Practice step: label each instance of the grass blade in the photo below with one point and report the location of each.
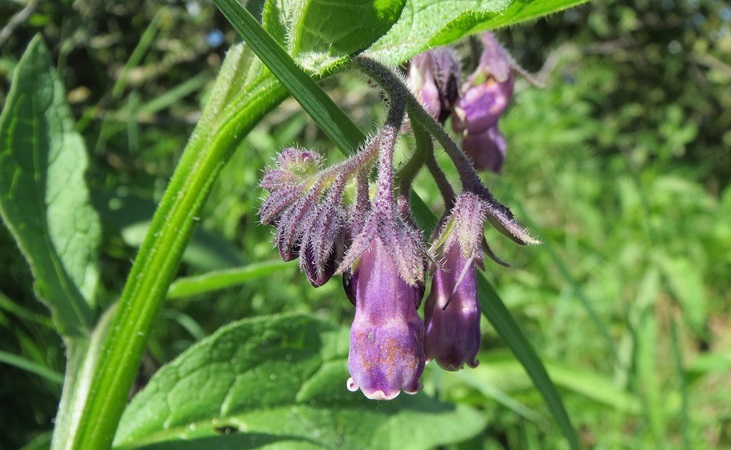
(220, 279)
(499, 316)
(30, 366)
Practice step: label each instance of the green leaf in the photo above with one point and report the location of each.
(323, 33)
(685, 280)
(503, 371)
(315, 102)
(426, 23)
(44, 200)
(30, 366)
(280, 378)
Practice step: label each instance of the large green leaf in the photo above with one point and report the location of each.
(275, 379)
(322, 33)
(43, 197)
(244, 92)
(427, 23)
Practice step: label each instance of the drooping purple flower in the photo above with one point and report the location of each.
(386, 354)
(487, 93)
(486, 150)
(481, 106)
(452, 313)
(386, 260)
(452, 310)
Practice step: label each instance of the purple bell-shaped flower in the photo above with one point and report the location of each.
(452, 313)
(386, 354)
(452, 310)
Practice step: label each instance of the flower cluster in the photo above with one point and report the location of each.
(340, 220)
(476, 104)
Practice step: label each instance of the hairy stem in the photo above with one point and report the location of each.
(499, 215)
(387, 140)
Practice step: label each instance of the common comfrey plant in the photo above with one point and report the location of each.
(338, 220)
(352, 219)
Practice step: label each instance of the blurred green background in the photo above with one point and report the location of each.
(621, 165)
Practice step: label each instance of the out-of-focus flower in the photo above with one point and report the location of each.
(434, 76)
(486, 150)
(481, 106)
(487, 93)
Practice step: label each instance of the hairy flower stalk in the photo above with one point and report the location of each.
(386, 339)
(333, 220)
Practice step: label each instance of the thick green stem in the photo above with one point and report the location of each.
(157, 261)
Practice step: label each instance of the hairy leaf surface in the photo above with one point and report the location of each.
(280, 379)
(426, 23)
(320, 34)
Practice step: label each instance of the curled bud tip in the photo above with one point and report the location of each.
(299, 162)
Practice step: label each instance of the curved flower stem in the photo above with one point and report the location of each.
(408, 172)
(499, 215)
(387, 142)
(445, 188)
(441, 181)
(396, 86)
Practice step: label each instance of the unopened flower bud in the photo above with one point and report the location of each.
(423, 83)
(435, 76)
(299, 161)
(323, 244)
(495, 61)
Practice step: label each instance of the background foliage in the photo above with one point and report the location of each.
(621, 165)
